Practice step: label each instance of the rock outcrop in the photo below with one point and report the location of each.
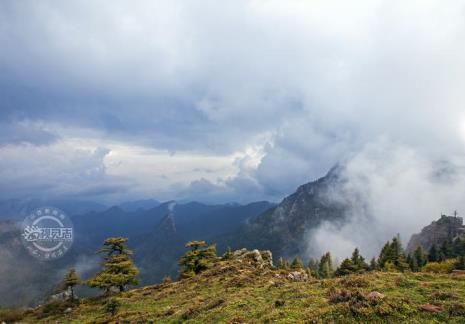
(444, 229)
(256, 258)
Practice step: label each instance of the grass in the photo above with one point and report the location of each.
(233, 292)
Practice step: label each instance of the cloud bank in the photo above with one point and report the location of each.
(238, 100)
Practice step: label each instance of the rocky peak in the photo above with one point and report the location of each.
(444, 229)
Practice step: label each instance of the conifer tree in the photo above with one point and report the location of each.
(447, 250)
(413, 263)
(313, 266)
(373, 265)
(282, 264)
(227, 254)
(347, 267)
(325, 269)
(433, 254)
(358, 260)
(297, 263)
(384, 255)
(420, 256)
(392, 256)
(118, 269)
(200, 257)
(458, 246)
(70, 280)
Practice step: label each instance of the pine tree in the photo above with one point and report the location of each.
(458, 246)
(313, 266)
(227, 254)
(397, 255)
(433, 254)
(282, 264)
(393, 254)
(70, 280)
(118, 269)
(325, 269)
(413, 263)
(384, 255)
(198, 259)
(347, 267)
(297, 263)
(358, 261)
(420, 256)
(373, 265)
(447, 250)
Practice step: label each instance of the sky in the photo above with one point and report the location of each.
(222, 101)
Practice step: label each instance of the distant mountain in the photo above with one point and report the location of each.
(158, 251)
(282, 229)
(132, 206)
(157, 236)
(447, 228)
(18, 209)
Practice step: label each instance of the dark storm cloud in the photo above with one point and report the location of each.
(309, 83)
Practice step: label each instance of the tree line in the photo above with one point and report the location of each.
(118, 270)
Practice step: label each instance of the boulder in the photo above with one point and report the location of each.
(259, 259)
(375, 295)
(298, 276)
(430, 308)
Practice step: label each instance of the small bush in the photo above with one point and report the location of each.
(354, 282)
(54, 307)
(279, 303)
(442, 295)
(336, 296)
(11, 315)
(440, 267)
(112, 306)
(456, 309)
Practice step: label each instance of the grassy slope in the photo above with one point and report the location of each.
(232, 292)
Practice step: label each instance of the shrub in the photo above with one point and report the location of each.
(355, 282)
(11, 315)
(54, 307)
(440, 267)
(112, 306)
(456, 309)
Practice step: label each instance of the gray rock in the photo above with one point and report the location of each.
(298, 276)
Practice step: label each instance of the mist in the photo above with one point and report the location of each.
(391, 189)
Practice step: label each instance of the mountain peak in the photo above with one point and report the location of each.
(444, 229)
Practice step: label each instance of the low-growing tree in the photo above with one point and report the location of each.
(199, 258)
(118, 269)
(69, 281)
(227, 254)
(167, 279)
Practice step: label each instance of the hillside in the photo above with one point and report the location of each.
(282, 229)
(247, 289)
(158, 247)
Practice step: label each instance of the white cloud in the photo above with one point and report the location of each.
(207, 79)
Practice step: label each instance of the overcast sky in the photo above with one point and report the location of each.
(220, 100)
